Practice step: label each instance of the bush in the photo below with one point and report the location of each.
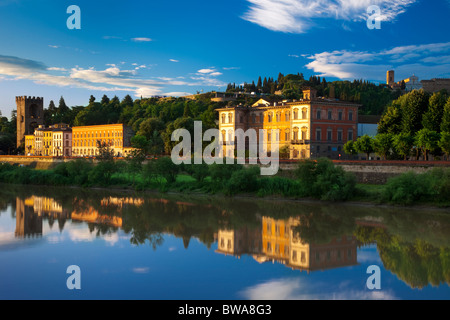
(244, 180)
(411, 187)
(223, 172)
(322, 179)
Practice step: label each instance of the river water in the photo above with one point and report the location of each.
(184, 247)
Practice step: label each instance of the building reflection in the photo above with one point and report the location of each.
(278, 241)
(32, 211)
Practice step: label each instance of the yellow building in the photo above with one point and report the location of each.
(47, 146)
(85, 140)
(29, 145)
(312, 127)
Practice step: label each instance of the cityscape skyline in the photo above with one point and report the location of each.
(180, 48)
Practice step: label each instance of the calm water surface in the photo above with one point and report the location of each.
(177, 247)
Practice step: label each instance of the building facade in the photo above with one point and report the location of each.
(85, 140)
(62, 141)
(29, 145)
(309, 128)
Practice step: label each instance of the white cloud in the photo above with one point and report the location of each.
(231, 68)
(301, 289)
(296, 16)
(425, 61)
(206, 71)
(53, 46)
(111, 79)
(141, 39)
(173, 60)
(140, 270)
(56, 69)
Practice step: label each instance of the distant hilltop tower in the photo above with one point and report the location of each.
(390, 78)
(30, 115)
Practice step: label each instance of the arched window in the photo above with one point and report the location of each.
(304, 113)
(304, 133)
(230, 118)
(295, 114)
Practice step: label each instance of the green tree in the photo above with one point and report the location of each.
(365, 144)
(383, 144)
(412, 111)
(349, 148)
(391, 120)
(403, 144)
(433, 117)
(444, 143)
(427, 141)
(445, 124)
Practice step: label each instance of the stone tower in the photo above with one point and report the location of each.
(390, 78)
(30, 114)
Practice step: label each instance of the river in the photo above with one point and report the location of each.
(185, 247)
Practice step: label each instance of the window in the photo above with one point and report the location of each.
(340, 115)
(230, 118)
(287, 116)
(294, 255)
(304, 131)
(339, 135)
(318, 115)
(278, 117)
(330, 115)
(295, 114)
(350, 135)
(223, 118)
(329, 135)
(261, 117)
(287, 135)
(269, 117)
(319, 135)
(350, 116)
(304, 113)
(253, 118)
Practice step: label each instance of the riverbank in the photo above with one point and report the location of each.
(313, 181)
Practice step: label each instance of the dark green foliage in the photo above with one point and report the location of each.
(411, 187)
(223, 172)
(322, 179)
(244, 180)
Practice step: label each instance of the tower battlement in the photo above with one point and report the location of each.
(29, 98)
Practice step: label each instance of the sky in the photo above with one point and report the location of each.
(176, 48)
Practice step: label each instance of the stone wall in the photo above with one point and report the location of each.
(376, 172)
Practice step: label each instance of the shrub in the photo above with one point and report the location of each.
(322, 179)
(244, 180)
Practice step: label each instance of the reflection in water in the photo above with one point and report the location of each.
(278, 241)
(415, 247)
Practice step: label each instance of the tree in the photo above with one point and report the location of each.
(427, 141)
(137, 156)
(415, 106)
(445, 124)
(149, 126)
(383, 144)
(349, 148)
(403, 144)
(444, 143)
(391, 120)
(105, 100)
(433, 117)
(105, 152)
(365, 144)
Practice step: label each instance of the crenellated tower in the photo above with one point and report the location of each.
(30, 114)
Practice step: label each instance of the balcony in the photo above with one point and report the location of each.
(301, 142)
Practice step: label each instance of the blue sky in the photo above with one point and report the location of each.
(146, 48)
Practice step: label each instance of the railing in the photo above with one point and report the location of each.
(300, 141)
